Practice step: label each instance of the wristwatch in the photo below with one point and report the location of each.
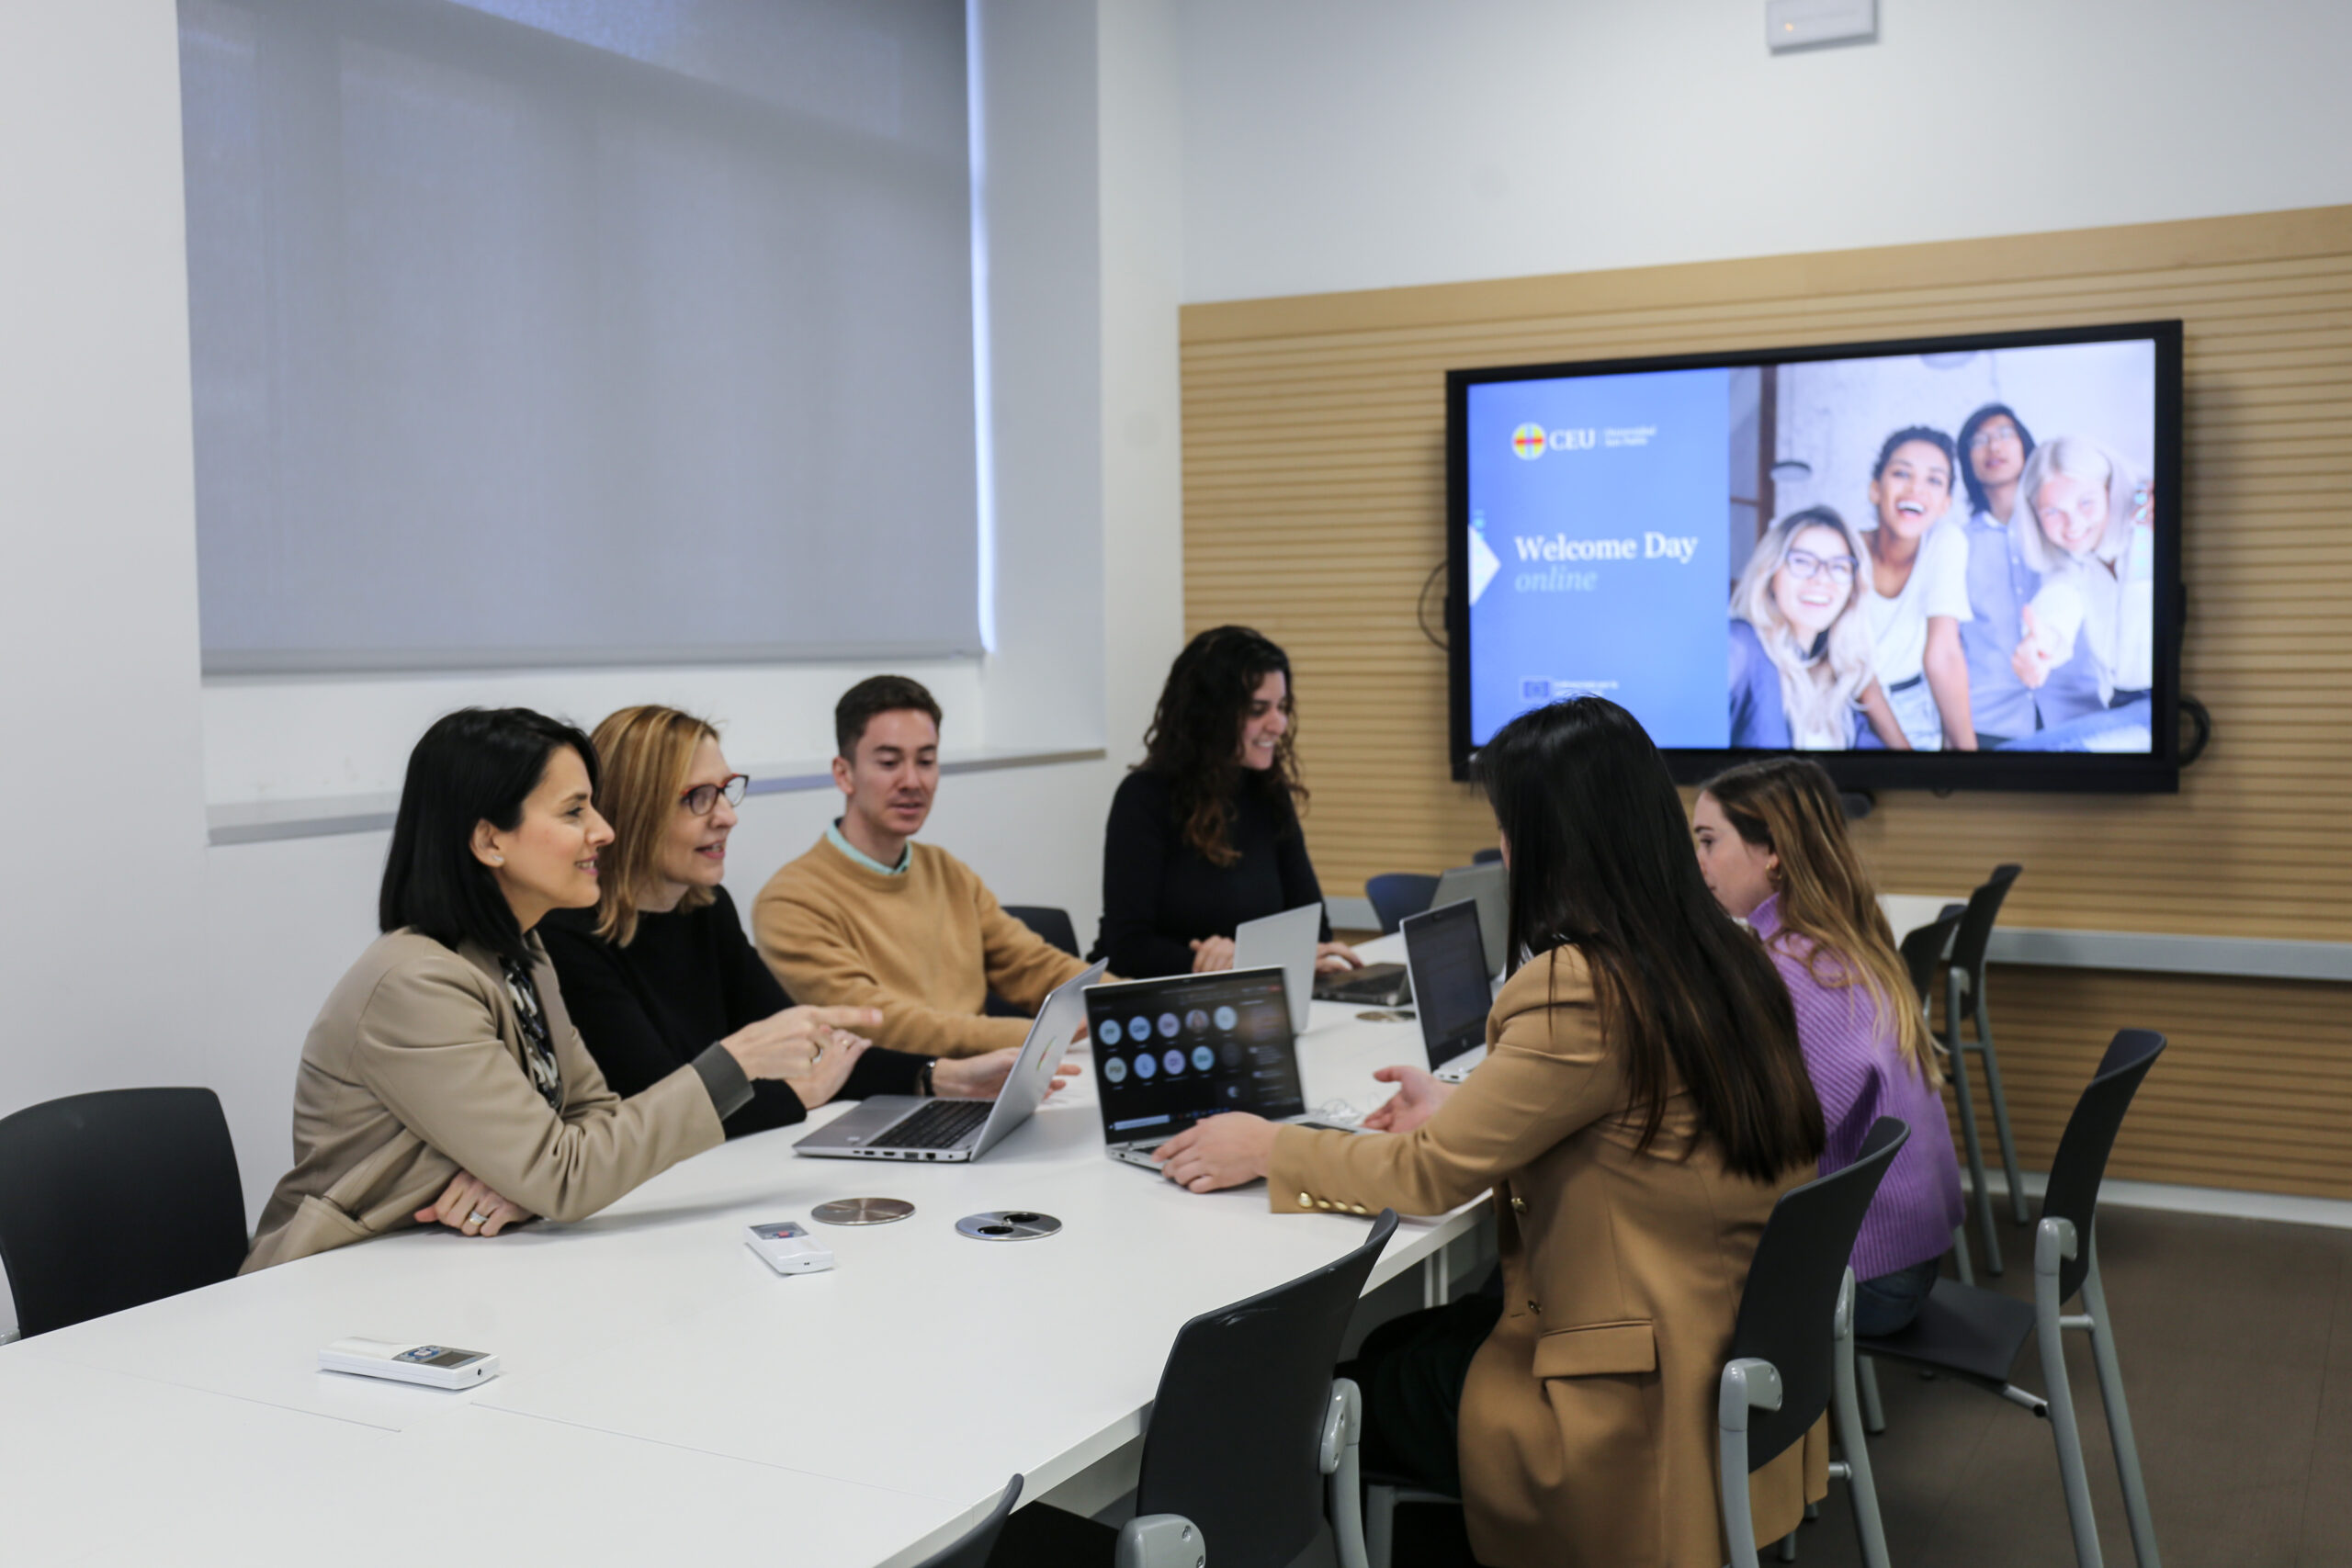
(923, 1078)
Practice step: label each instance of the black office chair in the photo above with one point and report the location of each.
(1486, 856)
(1792, 1345)
(112, 1199)
(1923, 955)
(1251, 1440)
(1964, 983)
(971, 1549)
(1049, 922)
(1977, 1334)
(1398, 896)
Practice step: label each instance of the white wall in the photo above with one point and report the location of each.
(1339, 144)
(134, 955)
(101, 934)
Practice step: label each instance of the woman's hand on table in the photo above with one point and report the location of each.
(1220, 1151)
(1211, 953)
(1419, 1094)
(979, 1077)
(468, 1207)
(1330, 956)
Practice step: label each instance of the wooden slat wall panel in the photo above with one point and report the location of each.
(1315, 509)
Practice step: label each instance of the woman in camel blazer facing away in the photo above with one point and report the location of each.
(443, 1081)
(1643, 1104)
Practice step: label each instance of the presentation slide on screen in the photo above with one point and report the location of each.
(1915, 552)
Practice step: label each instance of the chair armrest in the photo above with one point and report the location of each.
(1160, 1540)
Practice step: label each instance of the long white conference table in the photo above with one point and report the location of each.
(663, 1393)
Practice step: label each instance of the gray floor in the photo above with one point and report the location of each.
(2235, 1338)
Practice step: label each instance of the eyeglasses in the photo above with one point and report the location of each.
(1805, 565)
(702, 797)
(1992, 432)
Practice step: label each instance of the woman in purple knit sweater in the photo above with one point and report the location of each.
(1772, 846)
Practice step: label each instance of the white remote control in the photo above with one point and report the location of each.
(787, 1248)
(435, 1366)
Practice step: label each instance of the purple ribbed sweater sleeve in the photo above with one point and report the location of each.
(1858, 1070)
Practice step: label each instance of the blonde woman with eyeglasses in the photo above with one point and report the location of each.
(1802, 660)
(661, 967)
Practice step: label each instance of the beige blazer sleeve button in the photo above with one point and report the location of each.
(1322, 1202)
(1306, 1200)
(1358, 1209)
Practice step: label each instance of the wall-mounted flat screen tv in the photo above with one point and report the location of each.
(1945, 563)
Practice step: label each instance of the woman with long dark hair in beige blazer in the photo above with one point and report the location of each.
(443, 1081)
(1643, 1104)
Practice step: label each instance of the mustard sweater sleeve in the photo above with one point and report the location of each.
(826, 957)
(1545, 1077)
(1022, 967)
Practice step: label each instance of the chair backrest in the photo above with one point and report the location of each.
(1051, 923)
(1976, 924)
(1487, 856)
(115, 1198)
(971, 1549)
(1788, 1311)
(1238, 1419)
(1923, 955)
(2080, 1164)
(1396, 896)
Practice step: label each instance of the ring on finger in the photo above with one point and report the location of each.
(477, 1218)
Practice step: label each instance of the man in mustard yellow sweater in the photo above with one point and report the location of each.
(867, 918)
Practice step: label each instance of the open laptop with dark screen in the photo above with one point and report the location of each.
(1447, 954)
(1168, 1053)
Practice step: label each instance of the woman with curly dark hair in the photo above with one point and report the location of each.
(1205, 834)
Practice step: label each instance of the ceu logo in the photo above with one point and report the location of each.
(1528, 440)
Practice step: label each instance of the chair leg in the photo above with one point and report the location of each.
(1960, 1255)
(1746, 1385)
(1971, 1145)
(1847, 1423)
(2118, 1419)
(1379, 1523)
(1340, 1461)
(1874, 1413)
(2054, 1239)
(1789, 1547)
(2000, 1104)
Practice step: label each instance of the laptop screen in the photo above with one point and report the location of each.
(1168, 1053)
(1448, 958)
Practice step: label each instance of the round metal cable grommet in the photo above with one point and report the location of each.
(861, 1211)
(1007, 1225)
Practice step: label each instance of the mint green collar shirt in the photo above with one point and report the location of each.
(859, 857)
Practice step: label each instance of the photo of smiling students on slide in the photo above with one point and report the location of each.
(1889, 587)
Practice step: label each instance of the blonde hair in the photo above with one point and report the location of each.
(2077, 458)
(1815, 690)
(1787, 806)
(645, 753)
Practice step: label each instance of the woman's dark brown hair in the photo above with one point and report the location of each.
(1600, 861)
(1195, 742)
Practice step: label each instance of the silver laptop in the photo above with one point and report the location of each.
(1450, 990)
(906, 1126)
(1287, 940)
(1169, 1053)
(1284, 942)
(1489, 886)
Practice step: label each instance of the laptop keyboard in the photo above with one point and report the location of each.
(1377, 983)
(941, 1124)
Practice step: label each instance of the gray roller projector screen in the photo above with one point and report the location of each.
(580, 331)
